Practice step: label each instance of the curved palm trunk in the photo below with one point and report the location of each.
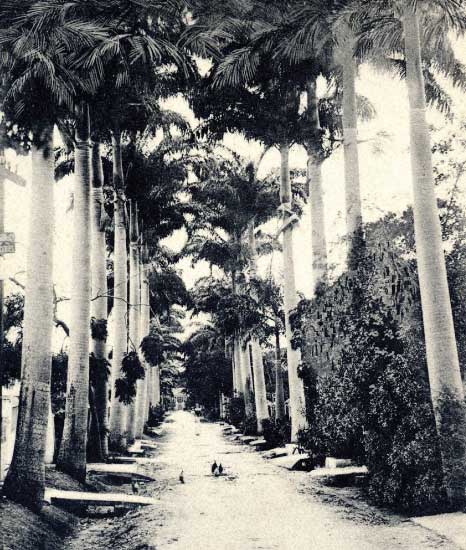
(442, 356)
(26, 477)
(316, 196)
(350, 140)
(260, 393)
(134, 300)
(99, 304)
(118, 411)
(279, 389)
(72, 454)
(290, 299)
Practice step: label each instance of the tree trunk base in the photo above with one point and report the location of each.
(24, 490)
(76, 472)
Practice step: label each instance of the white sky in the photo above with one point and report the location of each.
(385, 185)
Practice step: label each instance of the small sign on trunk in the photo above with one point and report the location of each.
(7, 243)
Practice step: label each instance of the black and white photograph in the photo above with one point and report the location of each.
(232, 274)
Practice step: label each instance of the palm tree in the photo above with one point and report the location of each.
(314, 176)
(290, 297)
(72, 455)
(144, 329)
(26, 476)
(262, 409)
(244, 360)
(442, 355)
(279, 389)
(99, 304)
(345, 57)
(39, 87)
(118, 411)
(134, 318)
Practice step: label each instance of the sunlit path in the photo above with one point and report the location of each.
(255, 505)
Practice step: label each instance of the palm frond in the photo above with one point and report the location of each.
(237, 68)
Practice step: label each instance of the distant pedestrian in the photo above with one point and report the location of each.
(214, 467)
(135, 487)
(181, 478)
(220, 469)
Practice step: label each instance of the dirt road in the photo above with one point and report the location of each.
(256, 505)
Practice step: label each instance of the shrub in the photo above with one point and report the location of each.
(235, 414)
(375, 408)
(156, 415)
(249, 425)
(276, 432)
(401, 443)
(452, 440)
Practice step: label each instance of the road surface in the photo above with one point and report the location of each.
(255, 505)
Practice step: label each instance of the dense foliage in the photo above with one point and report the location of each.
(131, 371)
(366, 376)
(207, 369)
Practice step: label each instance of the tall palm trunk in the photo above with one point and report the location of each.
(134, 300)
(234, 370)
(316, 198)
(236, 373)
(247, 378)
(442, 356)
(157, 391)
(239, 381)
(144, 331)
(26, 477)
(290, 300)
(243, 366)
(99, 304)
(141, 404)
(350, 138)
(243, 363)
(260, 393)
(150, 389)
(118, 411)
(279, 389)
(72, 454)
(239, 371)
